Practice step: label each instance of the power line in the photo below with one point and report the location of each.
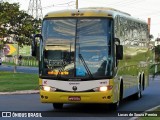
(137, 4)
(119, 3)
(131, 2)
(68, 4)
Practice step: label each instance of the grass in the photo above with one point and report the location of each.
(10, 81)
(8, 63)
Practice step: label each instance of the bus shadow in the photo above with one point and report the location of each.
(92, 110)
(85, 110)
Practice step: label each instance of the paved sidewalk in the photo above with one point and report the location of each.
(20, 92)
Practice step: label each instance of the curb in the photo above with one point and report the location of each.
(20, 92)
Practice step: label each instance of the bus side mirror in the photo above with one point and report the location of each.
(119, 52)
(34, 46)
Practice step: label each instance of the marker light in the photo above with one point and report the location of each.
(77, 14)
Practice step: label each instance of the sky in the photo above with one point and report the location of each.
(142, 9)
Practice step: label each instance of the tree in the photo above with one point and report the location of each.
(151, 36)
(19, 24)
(23, 27)
(5, 15)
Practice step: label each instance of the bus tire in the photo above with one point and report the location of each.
(121, 91)
(58, 105)
(143, 82)
(138, 95)
(114, 106)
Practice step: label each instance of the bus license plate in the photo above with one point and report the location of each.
(74, 98)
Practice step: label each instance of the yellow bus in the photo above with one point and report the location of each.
(91, 55)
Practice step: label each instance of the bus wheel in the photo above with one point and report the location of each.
(58, 105)
(138, 95)
(114, 106)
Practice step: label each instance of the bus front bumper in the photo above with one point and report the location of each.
(77, 97)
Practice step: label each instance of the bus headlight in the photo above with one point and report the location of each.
(48, 88)
(103, 88)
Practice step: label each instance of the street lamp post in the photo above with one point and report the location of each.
(76, 4)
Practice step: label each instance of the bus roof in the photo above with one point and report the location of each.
(78, 13)
(108, 9)
(91, 12)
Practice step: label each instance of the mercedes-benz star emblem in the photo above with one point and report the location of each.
(74, 88)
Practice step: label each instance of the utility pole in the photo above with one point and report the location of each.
(76, 4)
(149, 25)
(35, 9)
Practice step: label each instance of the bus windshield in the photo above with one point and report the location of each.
(77, 48)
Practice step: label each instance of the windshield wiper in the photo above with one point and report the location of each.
(85, 65)
(60, 70)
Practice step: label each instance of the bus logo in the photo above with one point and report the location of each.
(74, 88)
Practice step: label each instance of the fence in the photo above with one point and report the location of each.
(25, 61)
